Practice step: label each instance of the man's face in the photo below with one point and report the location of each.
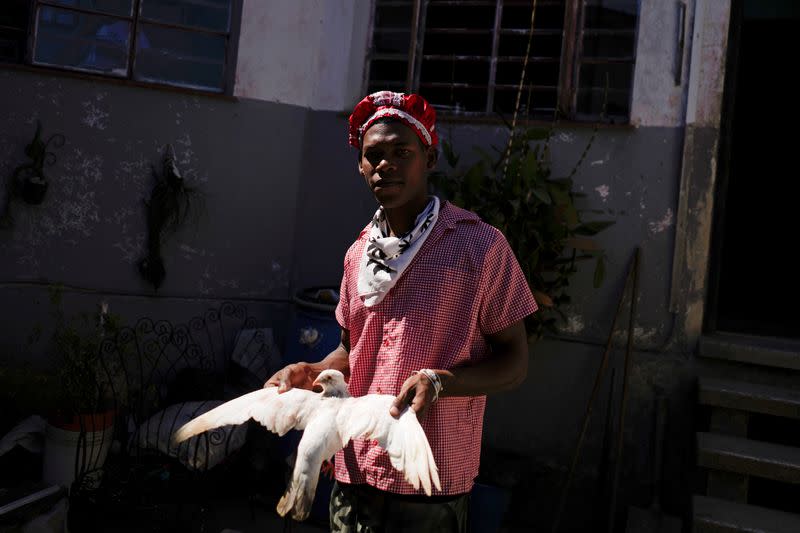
(395, 165)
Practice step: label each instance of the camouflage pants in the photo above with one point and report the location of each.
(364, 509)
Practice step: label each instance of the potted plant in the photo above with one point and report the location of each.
(80, 427)
(28, 181)
(513, 190)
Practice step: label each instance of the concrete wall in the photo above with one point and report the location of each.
(244, 156)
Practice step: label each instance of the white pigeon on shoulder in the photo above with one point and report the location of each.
(329, 420)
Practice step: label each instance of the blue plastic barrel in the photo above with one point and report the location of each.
(313, 332)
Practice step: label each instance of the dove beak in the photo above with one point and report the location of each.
(317, 385)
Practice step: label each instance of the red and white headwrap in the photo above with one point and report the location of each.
(411, 109)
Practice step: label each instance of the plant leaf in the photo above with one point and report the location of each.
(560, 196)
(530, 167)
(582, 243)
(542, 299)
(594, 227)
(537, 134)
(542, 195)
(599, 271)
(473, 178)
(571, 215)
(450, 155)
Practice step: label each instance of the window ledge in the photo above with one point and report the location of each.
(56, 72)
(453, 118)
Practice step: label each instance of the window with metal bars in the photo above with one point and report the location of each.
(183, 43)
(466, 57)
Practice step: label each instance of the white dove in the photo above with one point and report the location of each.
(330, 419)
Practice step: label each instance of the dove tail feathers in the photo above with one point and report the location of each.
(298, 497)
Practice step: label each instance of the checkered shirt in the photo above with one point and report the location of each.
(463, 284)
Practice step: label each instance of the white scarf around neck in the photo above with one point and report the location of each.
(386, 258)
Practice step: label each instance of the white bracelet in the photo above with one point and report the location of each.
(435, 380)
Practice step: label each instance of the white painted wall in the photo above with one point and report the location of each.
(707, 70)
(656, 99)
(308, 53)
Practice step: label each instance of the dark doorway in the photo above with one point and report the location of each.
(755, 278)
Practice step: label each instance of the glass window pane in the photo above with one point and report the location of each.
(86, 42)
(618, 75)
(536, 73)
(541, 45)
(393, 16)
(391, 42)
(479, 17)
(178, 57)
(454, 99)
(608, 45)
(388, 70)
(535, 103)
(455, 71)
(590, 102)
(14, 30)
(548, 17)
(12, 45)
(14, 14)
(617, 14)
(388, 86)
(112, 7)
(214, 15)
(468, 44)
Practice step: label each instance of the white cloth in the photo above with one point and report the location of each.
(385, 258)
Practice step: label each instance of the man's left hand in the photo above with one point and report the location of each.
(417, 391)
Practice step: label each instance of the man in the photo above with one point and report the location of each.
(431, 308)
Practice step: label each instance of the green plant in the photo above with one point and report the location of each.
(29, 182)
(83, 374)
(514, 191)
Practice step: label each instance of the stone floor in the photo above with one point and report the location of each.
(217, 517)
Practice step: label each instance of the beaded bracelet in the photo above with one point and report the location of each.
(435, 380)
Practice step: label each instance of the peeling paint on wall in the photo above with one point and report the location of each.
(574, 324)
(658, 226)
(94, 117)
(566, 137)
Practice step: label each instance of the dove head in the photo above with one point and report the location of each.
(332, 383)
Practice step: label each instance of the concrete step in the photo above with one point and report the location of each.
(749, 397)
(749, 457)
(719, 516)
(751, 350)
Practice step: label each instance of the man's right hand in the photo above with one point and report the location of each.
(294, 376)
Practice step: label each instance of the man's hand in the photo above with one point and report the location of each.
(418, 391)
(294, 376)
(302, 375)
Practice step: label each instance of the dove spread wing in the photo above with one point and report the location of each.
(277, 412)
(403, 438)
(329, 424)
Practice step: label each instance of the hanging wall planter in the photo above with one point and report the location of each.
(170, 205)
(28, 181)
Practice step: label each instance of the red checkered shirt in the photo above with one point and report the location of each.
(463, 284)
